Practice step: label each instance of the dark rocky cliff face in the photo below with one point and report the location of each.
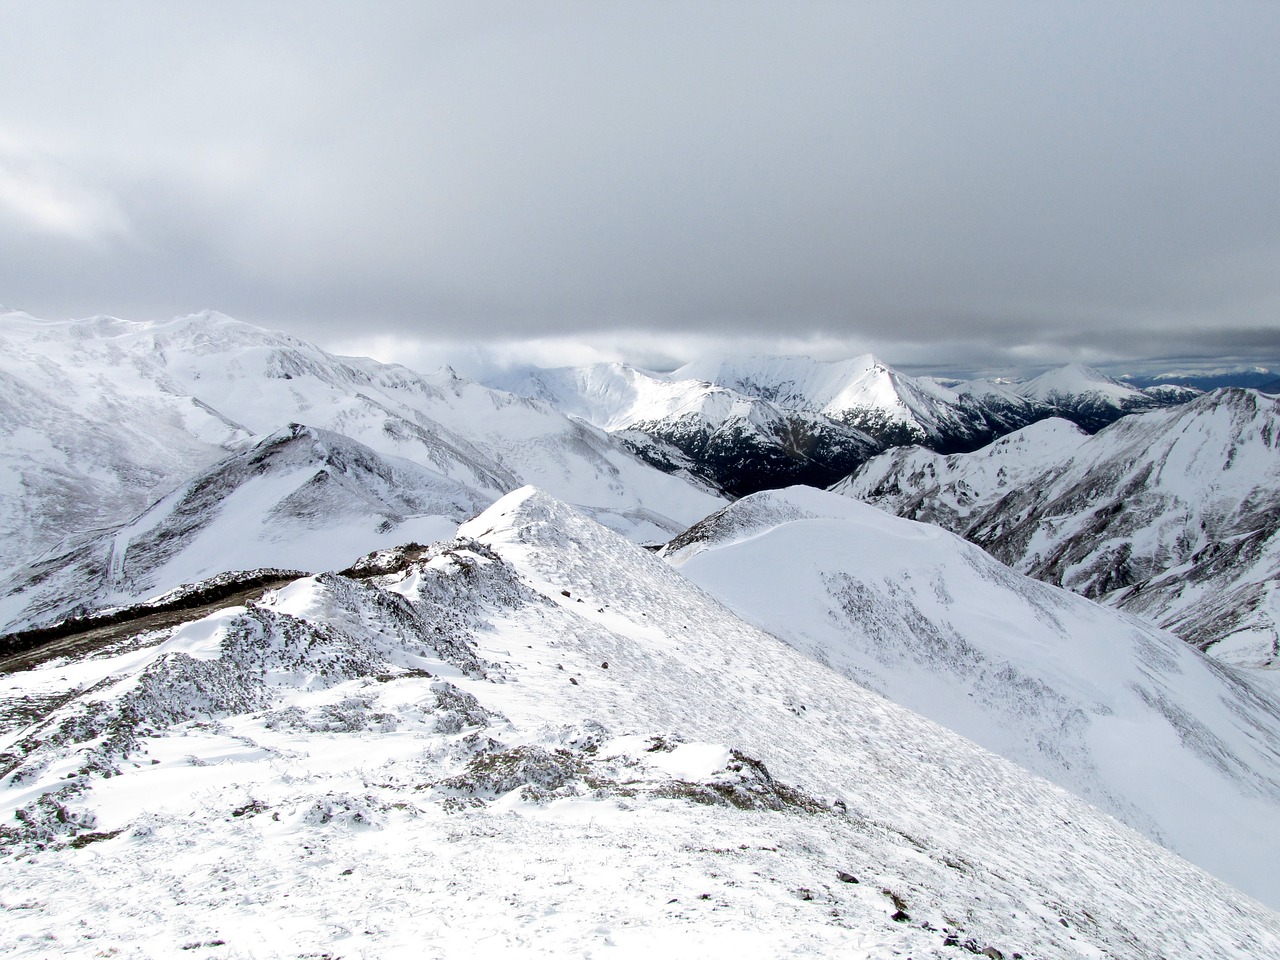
(742, 458)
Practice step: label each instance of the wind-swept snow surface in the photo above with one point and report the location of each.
(542, 740)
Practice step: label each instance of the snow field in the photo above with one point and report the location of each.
(1124, 715)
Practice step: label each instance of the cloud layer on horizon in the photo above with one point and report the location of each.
(956, 184)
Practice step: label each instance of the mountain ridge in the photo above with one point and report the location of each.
(1076, 692)
(537, 724)
(459, 712)
(863, 394)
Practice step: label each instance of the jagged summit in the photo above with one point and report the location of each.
(835, 388)
(761, 422)
(737, 442)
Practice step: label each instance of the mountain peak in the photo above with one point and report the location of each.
(1074, 377)
(1089, 397)
(510, 513)
(534, 519)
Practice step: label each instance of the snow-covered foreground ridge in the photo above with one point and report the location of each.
(542, 739)
(1127, 716)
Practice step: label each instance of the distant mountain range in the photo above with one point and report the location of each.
(1254, 378)
(735, 441)
(759, 423)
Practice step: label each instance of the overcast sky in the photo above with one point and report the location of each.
(952, 185)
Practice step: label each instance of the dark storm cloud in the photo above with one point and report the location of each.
(935, 181)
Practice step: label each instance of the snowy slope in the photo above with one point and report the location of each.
(103, 417)
(544, 741)
(919, 484)
(300, 499)
(1124, 715)
(613, 396)
(1173, 514)
(83, 441)
(736, 442)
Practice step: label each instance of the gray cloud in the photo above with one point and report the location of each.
(940, 182)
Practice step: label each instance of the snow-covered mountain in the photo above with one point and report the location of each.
(738, 443)
(867, 393)
(561, 746)
(101, 418)
(300, 499)
(1124, 715)
(947, 417)
(86, 439)
(1173, 514)
(920, 484)
(757, 423)
(1091, 399)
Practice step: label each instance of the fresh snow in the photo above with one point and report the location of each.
(1094, 400)
(300, 499)
(439, 761)
(859, 388)
(1074, 380)
(539, 737)
(896, 408)
(920, 484)
(737, 442)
